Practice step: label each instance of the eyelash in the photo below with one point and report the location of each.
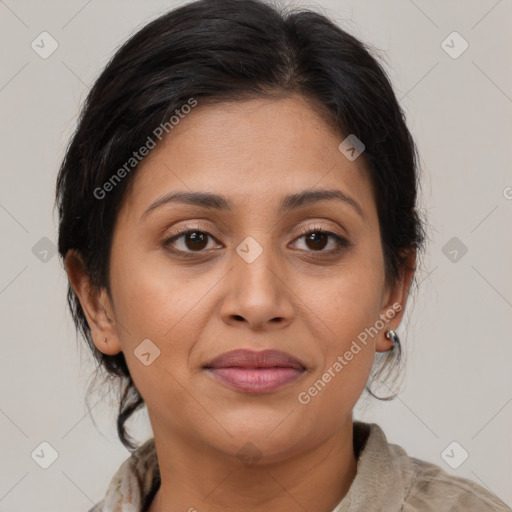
(342, 243)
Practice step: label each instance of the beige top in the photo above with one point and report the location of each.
(387, 480)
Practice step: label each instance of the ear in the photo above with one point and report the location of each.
(395, 299)
(95, 303)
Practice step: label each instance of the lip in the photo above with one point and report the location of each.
(255, 372)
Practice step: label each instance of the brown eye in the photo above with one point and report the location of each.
(317, 239)
(196, 240)
(188, 241)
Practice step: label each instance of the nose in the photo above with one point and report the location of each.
(257, 293)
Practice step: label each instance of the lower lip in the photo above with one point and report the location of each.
(256, 380)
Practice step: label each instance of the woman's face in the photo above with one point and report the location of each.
(249, 277)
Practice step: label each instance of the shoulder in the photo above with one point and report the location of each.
(428, 487)
(389, 480)
(132, 484)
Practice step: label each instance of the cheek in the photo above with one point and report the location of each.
(349, 299)
(334, 387)
(349, 305)
(153, 296)
(154, 302)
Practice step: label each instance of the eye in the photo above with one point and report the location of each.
(317, 238)
(190, 240)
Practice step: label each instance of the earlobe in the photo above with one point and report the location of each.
(94, 302)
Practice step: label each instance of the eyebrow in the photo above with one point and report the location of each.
(288, 203)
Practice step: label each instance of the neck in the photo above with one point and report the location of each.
(194, 479)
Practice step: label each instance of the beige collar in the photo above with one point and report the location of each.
(132, 482)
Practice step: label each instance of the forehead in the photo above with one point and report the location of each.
(254, 151)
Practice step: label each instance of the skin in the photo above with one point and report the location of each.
(294, 297)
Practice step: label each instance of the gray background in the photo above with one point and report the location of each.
(457, 380)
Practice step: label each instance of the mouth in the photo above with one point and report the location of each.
(255, 372)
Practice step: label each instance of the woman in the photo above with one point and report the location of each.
(239, 227)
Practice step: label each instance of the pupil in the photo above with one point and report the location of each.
(198, 240)
(313, 237)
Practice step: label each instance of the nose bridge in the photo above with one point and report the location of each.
(256, 291)
(256, 263)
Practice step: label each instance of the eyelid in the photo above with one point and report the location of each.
(305, 230)
(195, 226)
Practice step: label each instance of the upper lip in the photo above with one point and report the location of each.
(243, 358)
